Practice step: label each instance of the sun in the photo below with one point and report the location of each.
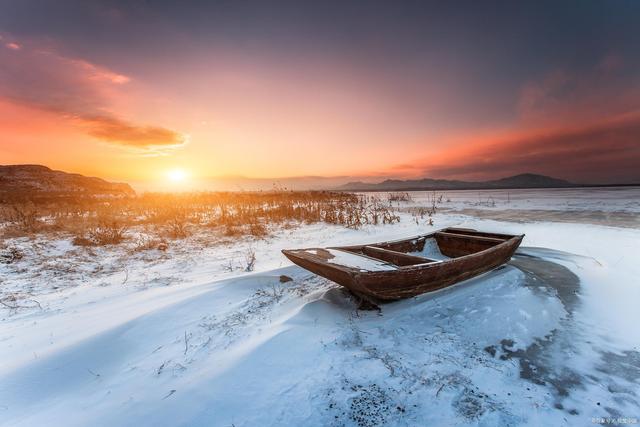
(177, 175)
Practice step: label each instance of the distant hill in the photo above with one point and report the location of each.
(530, 180)
(526, 180)
(37, 180)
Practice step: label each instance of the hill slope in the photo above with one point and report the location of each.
(40, 180)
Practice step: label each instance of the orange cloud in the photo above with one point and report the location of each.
(75, 88)
(118, 131)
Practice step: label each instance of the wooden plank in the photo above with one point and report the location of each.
(456, 245)
(414, 244)
(470, 237)
(470, 232)
(397, 258)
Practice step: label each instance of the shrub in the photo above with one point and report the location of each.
(10, 255)
(250, 260)
(82, 241)
(20, 219)
(232, 231)
(178, 227)
(146, 243)
(258, 230)
(107, 233)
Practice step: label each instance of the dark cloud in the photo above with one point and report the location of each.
(606, 88)
(459, 63)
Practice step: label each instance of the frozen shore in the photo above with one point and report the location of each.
(187, 337)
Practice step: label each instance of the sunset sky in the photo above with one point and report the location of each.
(141, 90)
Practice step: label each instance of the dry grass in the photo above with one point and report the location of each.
(94, 221)
(399, 197)
(419, 213)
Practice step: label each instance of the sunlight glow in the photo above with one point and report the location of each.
(177, 175)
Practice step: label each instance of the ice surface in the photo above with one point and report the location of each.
(180, 338)
(607, 199)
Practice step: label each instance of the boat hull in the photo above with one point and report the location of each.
(471, 257)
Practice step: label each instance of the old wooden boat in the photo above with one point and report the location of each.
(399, 269)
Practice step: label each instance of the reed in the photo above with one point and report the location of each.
(176, 215)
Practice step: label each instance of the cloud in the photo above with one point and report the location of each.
(582, 94)
(38, 77)
(581, 125)
(117, 131)
(100, 74)
(406, 167)
(604, 152)
(541, 96)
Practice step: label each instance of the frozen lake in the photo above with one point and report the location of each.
(608, 199)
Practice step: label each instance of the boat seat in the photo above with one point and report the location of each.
(398, 258)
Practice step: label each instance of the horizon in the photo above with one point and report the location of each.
(319, 183)
(178, 95)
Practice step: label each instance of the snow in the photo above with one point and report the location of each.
(430, 250)
(359, 262)
(187, 337)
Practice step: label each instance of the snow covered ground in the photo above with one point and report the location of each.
(114, 337)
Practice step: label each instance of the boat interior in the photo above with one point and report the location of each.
(431, 248)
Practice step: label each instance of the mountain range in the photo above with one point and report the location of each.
(526, 180)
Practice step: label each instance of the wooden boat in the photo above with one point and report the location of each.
(399, 269)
